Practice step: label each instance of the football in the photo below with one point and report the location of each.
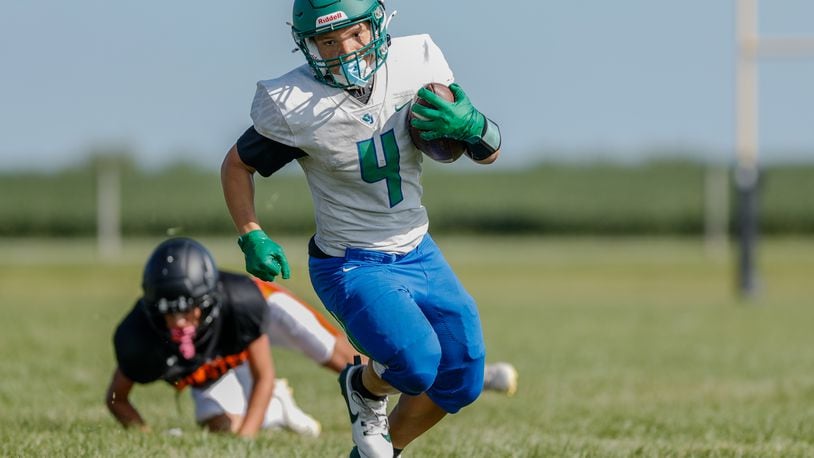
(443, 149)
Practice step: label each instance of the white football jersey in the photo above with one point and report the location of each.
(362, 168)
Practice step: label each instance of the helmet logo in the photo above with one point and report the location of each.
(331, 18)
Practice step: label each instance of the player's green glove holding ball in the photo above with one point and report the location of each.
(458, 120)
(265, 258)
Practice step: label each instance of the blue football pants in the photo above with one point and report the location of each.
(411, 314)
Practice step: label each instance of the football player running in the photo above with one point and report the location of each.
(372, 263)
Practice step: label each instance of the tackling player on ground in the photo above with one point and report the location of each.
(198, 327)
(371, 261)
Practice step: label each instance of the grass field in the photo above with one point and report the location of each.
(625, 347)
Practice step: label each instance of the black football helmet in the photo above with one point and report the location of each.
(181, 274)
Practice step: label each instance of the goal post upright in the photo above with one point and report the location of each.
(751, 47)
(746, 143)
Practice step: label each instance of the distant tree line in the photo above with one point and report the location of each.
(661, 197)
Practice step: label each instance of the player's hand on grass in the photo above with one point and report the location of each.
(265, 259)
(458, 120)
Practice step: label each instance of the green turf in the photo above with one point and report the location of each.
(625, 347)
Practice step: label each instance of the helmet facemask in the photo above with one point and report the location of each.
(185, 337)
(355, 69)
(208, 304)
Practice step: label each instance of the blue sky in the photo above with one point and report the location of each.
(571, 80)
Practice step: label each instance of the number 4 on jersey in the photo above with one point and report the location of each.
(372, 172)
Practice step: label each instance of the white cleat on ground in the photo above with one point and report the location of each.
(368, 418)
(294, 419)
(501, 377)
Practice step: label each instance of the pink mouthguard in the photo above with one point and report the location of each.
(183, 337)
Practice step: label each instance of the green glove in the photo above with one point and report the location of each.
(264, 257)
(458, 120)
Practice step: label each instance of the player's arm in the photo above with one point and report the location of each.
(118, 403)
(237, 180)
(262, 369)
(265, 259)
(458, 120)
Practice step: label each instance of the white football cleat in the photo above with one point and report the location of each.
(501, 377)
(294, 419)
(368, 417)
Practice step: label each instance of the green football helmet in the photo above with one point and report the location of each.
(313, 17)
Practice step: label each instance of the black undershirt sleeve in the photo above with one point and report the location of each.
(264, 154)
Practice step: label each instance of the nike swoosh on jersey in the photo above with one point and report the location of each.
(348, 269)
(401, 107)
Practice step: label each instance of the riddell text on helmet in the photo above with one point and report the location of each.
(333, 17)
